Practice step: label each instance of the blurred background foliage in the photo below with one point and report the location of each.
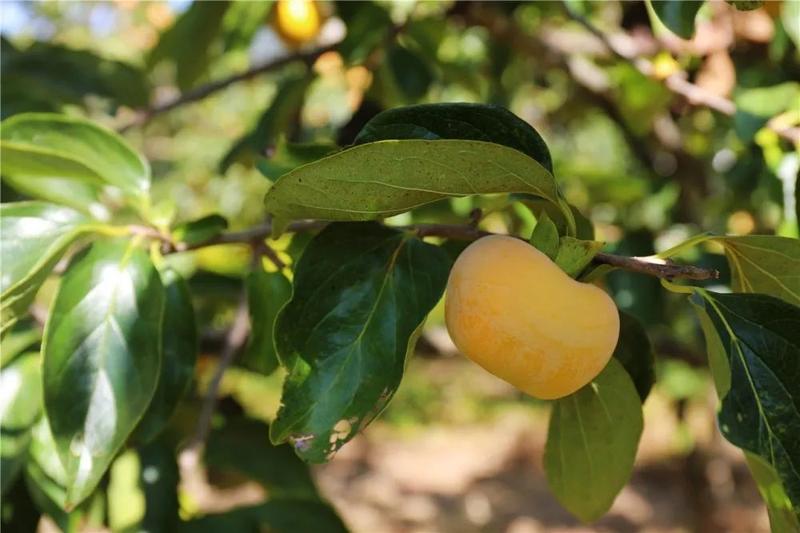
(222, 99)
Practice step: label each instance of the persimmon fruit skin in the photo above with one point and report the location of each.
(513, 311)
(297, 21)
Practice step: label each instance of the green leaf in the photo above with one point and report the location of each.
(276, 120)
(45, 145)
(241, 22)
(361, 291)
(33, 238)
(16, 341)
(760, 413)
(386, 178)
(82, 196)
(179, 349)
(367, 26)
(754, 107)
(200, 230)
(473, 122)
(20, 407)
(583, 226)
(243, 445)
(187, 43)
(45, 76)
(102, 353)
(764, 264)
(267, 292)
(411, 73)
(288, 156)
(635, 353)
(592, 442)
(575, 254)
(677, 15)
(545, 236)
(783, 518)
(278, 516)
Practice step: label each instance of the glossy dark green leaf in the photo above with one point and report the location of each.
(49, 145)
(20, 407)
(45, 76)
(267, 292)
(783, 517)
(575, 254)
(385, 178)
(760, 413)
(33, 238)
(411, 73)
(476, 122)
(545, 236)
(288, 156)
(275, 121)
(200, 230)
(677, 15)
(635, 353)
(278, 516)
(361, 291)
(102, 353)
(187, 43)
(754, 107)
(764, 264)
(179, 353)
(592, 441)
(242, 445)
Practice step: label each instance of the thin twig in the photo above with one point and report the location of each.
(462, 232)
(206, 90)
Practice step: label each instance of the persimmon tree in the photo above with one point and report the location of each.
(94, 381)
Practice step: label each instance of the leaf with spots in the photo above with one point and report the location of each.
(361, 294)
(760, 411)
(592, 441)
(380, 179)
(102, 352)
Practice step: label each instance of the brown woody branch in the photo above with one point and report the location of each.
(257, 235)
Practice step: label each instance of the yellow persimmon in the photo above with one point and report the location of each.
(297, 21)
(510, 309)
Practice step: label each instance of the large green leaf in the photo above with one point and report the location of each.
(385, 178)
(49, 145)
(81, 195)
(179, 352)
(278, 516)
(760, 412)
(678, 15)
(288, 156)
(635, 353)
(764, 264)
(187, 43)
(242, 445)
(33, 237)
(267, 292)
(361, 291)
(20, 407)
(102, 353)
(475, 122)
(592, 442)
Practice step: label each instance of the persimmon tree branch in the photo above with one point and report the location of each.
(257, 235)
(201, 92)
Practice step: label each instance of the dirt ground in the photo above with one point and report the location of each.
(464, 475)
